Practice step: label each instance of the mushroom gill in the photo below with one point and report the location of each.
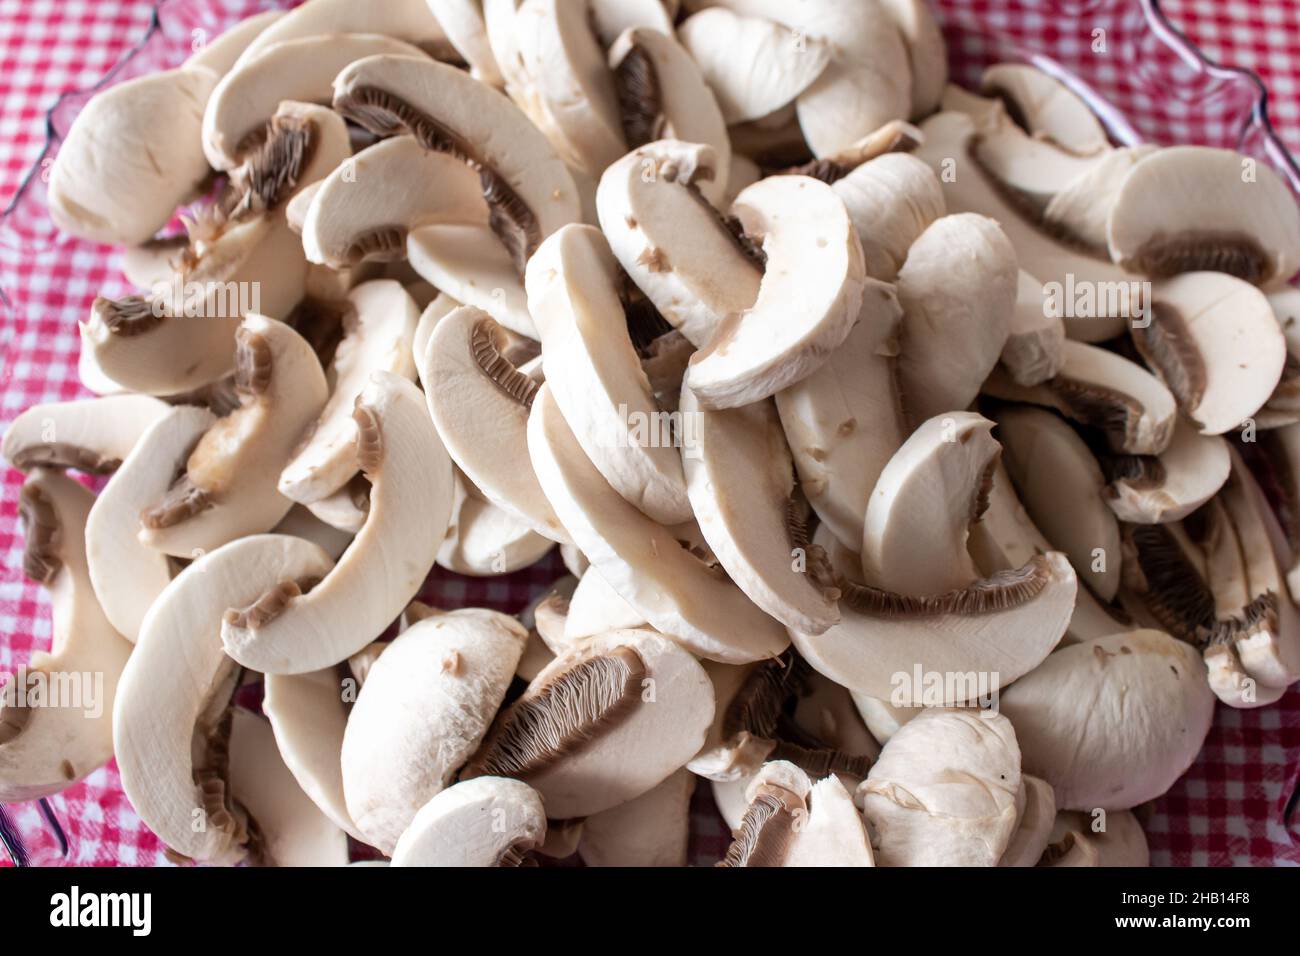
(64, 455)
(129, 316)
(485, 346)
(1111, 411)
(640, 99)
(1237, 254)
(767, 828)
(1167, 345)
(998, 592)
(1170, 585)
(41, 561)
(370, 440)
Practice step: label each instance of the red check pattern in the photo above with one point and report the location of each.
(1229, 809)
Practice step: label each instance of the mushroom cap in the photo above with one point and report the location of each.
(410, 504)
(1215, 342)
(481, 414)
(1172, 485)
(943, 791)
(301, 69)
(808, 298)
(94, 436)
(1050, 466)
(219, 53)
(844, 421)
(487, 821)
(453, 670)
(1112, 839)
(44, 749)
(595, 375)
(1112, 722)
(469, 263)
(411, 21)
(376, 337)
(1033, 350)
(127, 574)
(484, 540)
(926, 52)
(834, 834)
(892, 200)
(749, 531)
(1186, 208)
(641, 559)
(1048, 109)
(650, 830)
(958, 286)
(590, 753)
(181, 672)
(595, 607)
(1031, 170)
(1034, 828)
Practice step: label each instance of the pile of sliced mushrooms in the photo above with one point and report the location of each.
(745, 308)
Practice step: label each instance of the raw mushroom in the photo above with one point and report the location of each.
(1030, 171)
(1034, 350)
(1110, 839)
(595, 607)
(168, 732)
(301, 523)
(1046, 107)
(488, 821)
(1169, 486)
(641, 559)
(1081, 208)
(892, 200)
(484, 540)
(650, 830)
(93, 436)
(1112, 722)
(228, 487)
(46, 748)
(410, 506)
(221, 52)
(451, 671)
(881, 717)
(410, 21)
(606, 721)
(926, 53)
(347, 508)
(1034, 828)
(943, 791)
(462, 21)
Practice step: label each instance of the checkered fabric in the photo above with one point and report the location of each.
(1230, 806)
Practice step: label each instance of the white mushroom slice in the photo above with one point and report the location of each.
(439, 308)
(1110, 839)
(1095, 297)
(753, 66)
(891, 199)
(48, 746)
(173, 691)
(410, 506)
(751, 531)
(484, 540)
(1112, 722)
(609, 18)
(595, 375)
(535, 657)
(642, 560)
(291, 831)
(957, 287)
(547, 613)
(1157, 490)
(1046, 107)
(301, 523)
(662, 95)
(479, 403)
(471, 265)
(943, 791)
(1031, 170)
(1214, 341)
(219, 53)
(881, 717)
(410, 21)
(844, 421)
(933, 489)
(1189, 208)
(1033, 350)
(1082, 207)
(650, 830)
(451, 671)
(575, 562)
(106, 184)
(926, 53)
(606, 721)
(671, 242)
(308, 713)
(1034, 828)
(301, 69)
(807, 302)
(462, 21)
(1050, 464)
(596, 608)
(529, 190)
(228, 487)
(487, 821)
(93, 436)
(128, 575)
(376, 337)
(347, 508)
(1098, 388)
(826, 713)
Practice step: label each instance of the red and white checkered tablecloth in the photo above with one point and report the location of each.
(1228, 809)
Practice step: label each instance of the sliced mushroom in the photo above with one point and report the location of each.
(926, 53)
(1034, 827)
(480, 402)
(439, 308)
(52, 735)
(1191, 208)
(1046, 107)
(1112, 722)
(487, 821)
(462, 21)
(650, 830)
(958, 286)
(168, 732)
(595, 376)
(641, 559)
(1081, 208)
(845, 420)
(1050, 465)
(1214, 341)
(410, 504)
(1033, 352)
(943, 791)
(892, 200)
(1168, 487)
(127, 574)
(484, 540)
(411, 21)
(1109, 839)
(813, 269)
(299, 69)
(377, 337)
(881, 717)
(227, 489)
(347, 508)
(452, 670)
(595, 607)
(288, 828)
(93, 436)
(603, 723)
(301, 523)
(1031, 171)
